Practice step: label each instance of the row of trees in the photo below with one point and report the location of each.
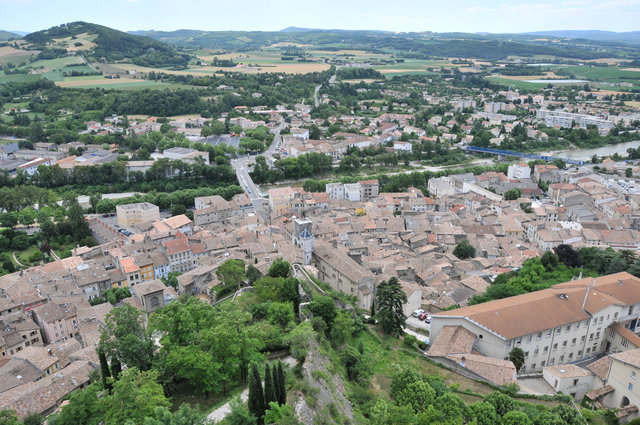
(273, 394)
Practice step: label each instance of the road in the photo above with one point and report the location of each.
(316, 101)
(241, 165)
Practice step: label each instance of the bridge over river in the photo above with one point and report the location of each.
(532, 156)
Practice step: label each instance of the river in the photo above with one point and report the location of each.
(586, 154)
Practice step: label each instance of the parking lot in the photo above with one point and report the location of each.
(223, 139)
(418, 324)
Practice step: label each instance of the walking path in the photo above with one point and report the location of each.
(13, 253)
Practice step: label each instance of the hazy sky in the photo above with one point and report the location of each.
(272, 15)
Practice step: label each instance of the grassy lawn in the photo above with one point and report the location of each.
(23, 256)
(184, 393)
(85, 82)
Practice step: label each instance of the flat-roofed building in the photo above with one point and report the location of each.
(131, 214)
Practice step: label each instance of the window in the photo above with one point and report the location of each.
(615, 316)
(529, 338)
(580, 353)
(612, 333)
(539, 335)
(633, 375)
(598, 335)
(543, 363)
(601, 319)
(548, 333)
(552, 361)
(555, 346)
(533, 366)
(561, 359)
(590, 337)
(575, 382)
(589, 350)
(535, 352)
(519, 340)
(630, 310)
(625, 343)
(526, 354)
(630, 386)
(578, 325)
(568, 328)
(564, 344)
(546, 348)
(573, 341)
(558, 330)
(570, 356)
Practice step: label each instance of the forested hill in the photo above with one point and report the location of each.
(415, 45)
(6, 35)
(113, 45)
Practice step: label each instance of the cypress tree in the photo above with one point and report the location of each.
(256, 395)
(269, 390)
(116, 368)
(104, 369)
(282, 381)
(276, 383)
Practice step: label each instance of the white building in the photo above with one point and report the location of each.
(520, 170)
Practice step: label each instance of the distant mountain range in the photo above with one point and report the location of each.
(8, 35)
(621, 37)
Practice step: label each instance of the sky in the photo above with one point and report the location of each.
(494, 16)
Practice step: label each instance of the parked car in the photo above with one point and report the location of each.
(428, 318)
(427, 341)
(417, 313)
(422, 316)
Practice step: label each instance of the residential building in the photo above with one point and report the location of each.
(130, 214)
(562, 324)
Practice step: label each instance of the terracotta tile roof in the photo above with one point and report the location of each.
(568, 371)
(600, 367)
(505, 316)
(631, 357)
(38, 356)
(452, 340)
(45, 394)
(595, 394)
(497, 371)
(178, 221)
(626, 334)
(128, 265)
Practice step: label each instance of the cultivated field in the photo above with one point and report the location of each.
(116, 83)
(9, 54)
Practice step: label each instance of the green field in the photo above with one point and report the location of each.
(604, 74)
(92, 82)
(19, 78)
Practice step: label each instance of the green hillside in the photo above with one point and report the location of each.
(6, 35)
(112, 45)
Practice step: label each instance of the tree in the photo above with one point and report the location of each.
(83, 408)
(185, 415)
(33, 419)
(75, 218)
(252, 274)
(269, 388)
(298, 340)
(231, 273)
(549, 260)
(279, 414)
(104, 369)
(390, 298)
(195, 366)
(501, 402)
(325, 308)
(484, 413)
(567, 255)
(8, 417)
(419, 395)
(278, 289)
(616, 265)
(281, 389)
(351, 359)
(569, 415)
(628, 172)
(512, 194)
(464, 250)
(239, 415)
(342, 328)
(135, 396)
(516, 418)
(401, 381)
(126, 339)
(105, 206)
(281, 314)
(560, 163)
(280, 268)
(516, 355)
(256, 395)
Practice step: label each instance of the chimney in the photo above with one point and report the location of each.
(620, 282)
(49, 352)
